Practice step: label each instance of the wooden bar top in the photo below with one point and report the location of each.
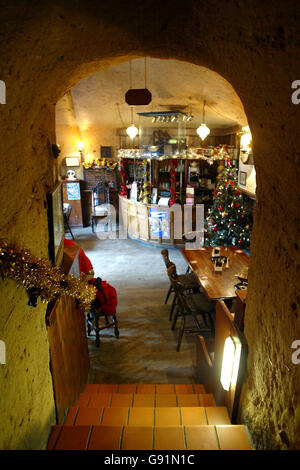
(217, 284)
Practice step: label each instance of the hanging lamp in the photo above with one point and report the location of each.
(138, 96)
(203, 130)
(132, 130)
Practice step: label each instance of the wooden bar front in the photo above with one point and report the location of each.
(139, 220)
(69, 360)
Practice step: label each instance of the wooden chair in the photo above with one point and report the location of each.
(67, 212)
(191, 304)
(101, 203)
(97, 310)
(188, 280)
(92, 320)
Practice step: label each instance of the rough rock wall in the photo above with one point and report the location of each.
(26, 399)
(255, 46)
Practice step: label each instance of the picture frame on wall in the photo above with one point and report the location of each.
(242, 178)
(55, 224)
(105, 152)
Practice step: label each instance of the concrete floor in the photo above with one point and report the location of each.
(146, 349)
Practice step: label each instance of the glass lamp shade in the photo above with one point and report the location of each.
(132, 131)
(203, 131)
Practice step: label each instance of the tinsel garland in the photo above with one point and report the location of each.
(173, 182)
(100, 162)
(146, 184)
(123, 165)
(40, 279)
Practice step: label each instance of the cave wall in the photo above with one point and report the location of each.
(27, 407)
(47, 48)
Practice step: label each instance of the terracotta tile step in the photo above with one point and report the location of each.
(96, 400)
(103, 437)
(145, 388)
(147, 416)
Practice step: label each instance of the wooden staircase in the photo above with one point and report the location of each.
(147, 417)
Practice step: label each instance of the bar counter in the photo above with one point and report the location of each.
(152, 223)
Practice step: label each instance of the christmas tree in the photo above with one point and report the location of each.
(229, 220)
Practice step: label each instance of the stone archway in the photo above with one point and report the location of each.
(52, 46)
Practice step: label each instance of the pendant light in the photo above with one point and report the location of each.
(132, 131)
(203, 130)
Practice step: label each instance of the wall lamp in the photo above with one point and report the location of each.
(230, 362)
(80, 148)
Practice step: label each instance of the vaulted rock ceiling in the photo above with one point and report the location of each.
(100, 98)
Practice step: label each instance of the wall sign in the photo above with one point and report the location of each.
(159, 223)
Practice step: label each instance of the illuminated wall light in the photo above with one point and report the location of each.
(246, 138)
(231, 362)
(80, 146)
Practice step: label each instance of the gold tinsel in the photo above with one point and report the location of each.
(146, 184)
(102, 162)
(40, 278)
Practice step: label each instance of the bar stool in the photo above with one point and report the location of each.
(188, 280)
(190, 304)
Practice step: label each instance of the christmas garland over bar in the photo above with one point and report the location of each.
(40, 279)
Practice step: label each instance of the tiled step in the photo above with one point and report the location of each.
(147, 416)
(151, 389)
(95, 400)
(102, 437)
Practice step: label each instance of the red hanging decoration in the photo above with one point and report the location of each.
(124, 191)
(173, 182)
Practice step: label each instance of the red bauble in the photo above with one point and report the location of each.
(238, 205)
(214, 229)
(238, 192)
(240, 242)
(230, 223)
(220, 208)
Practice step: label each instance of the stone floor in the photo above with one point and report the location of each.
(146, 349)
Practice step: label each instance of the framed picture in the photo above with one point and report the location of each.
(73, 191)
(72, 161)
(56, 224)
(105, 152)
(242, 178)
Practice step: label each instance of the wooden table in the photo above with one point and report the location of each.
(217, 284)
